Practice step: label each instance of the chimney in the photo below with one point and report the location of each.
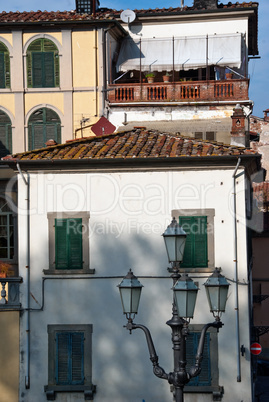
(87, 6)
(238, 133)
(265, 115)
(205, 4)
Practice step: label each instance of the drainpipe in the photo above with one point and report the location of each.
(27, 310)
(104, 87)
(236, 276)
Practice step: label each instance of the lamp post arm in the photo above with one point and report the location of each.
(157, 370)
(196, 369)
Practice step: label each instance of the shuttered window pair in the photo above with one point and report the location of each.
(44, 124)
(69, 358)
(68, 243)
(195, 253)
(204, 378)
(42, 64)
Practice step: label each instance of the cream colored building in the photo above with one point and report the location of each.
(51, 86)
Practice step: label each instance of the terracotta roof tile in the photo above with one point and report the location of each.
(133, 144)
(101, 14)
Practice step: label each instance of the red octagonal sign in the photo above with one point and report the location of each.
(255, 348)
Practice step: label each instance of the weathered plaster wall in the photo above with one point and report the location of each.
(128, 213)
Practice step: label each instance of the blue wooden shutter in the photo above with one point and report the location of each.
(204, 378)
(68, 243)
(195, 253)
(69, 358)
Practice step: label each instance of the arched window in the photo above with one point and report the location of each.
(42, 64)
(6, 231)
(44, 124)
(4, 66)
(5, 135)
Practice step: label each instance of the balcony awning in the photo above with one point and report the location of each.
(189, 53)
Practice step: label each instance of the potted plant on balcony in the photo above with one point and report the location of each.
(6, 269)
(229, 76)
(166, 77)
(150, 77)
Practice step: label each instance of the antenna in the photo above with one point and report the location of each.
(127, 16)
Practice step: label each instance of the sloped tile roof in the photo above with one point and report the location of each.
(102, 13)
(137, 143)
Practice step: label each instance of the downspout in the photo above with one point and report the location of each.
(27, 310)
(104, 87)
(236, 276)
(96, 72)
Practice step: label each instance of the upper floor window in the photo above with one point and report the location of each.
(5, 135)
(42, 64)
(4, 66)
(6, 231)
(199, 249)
(68, 243)
(44, 124)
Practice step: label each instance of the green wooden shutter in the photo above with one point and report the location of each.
(68, 244)
(69, 358)
(77, 358)
(36, 136)
(195, 253)
(5, 140)
(75, 243)
(62, 358)
(48, 65)
(2, 71)
(37, 69)
(200, 242)
(204, 378)
(186, 223)
(61, 244)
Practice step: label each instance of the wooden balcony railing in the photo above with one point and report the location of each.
(185, 91)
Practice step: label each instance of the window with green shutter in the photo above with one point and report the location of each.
(195, 253)
(4, 66)
(204, 378)
(5, 135)
(69, 358)
(44, 124)
(43, 64)
(208, 379)
(68, 243)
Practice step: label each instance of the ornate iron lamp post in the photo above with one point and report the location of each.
(184, 298)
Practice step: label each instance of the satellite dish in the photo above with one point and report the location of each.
(127, 16)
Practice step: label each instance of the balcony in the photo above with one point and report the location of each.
(10, 299)
(184, 91)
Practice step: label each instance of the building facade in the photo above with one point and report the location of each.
(98, 207)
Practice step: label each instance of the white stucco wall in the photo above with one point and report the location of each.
(187, 28)
(128, 213)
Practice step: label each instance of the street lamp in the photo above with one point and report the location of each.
(184, 298)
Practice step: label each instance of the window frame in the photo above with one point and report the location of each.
(52, 387)
(84, 216)
(210, 214)
(54, 63)
(47, 122)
